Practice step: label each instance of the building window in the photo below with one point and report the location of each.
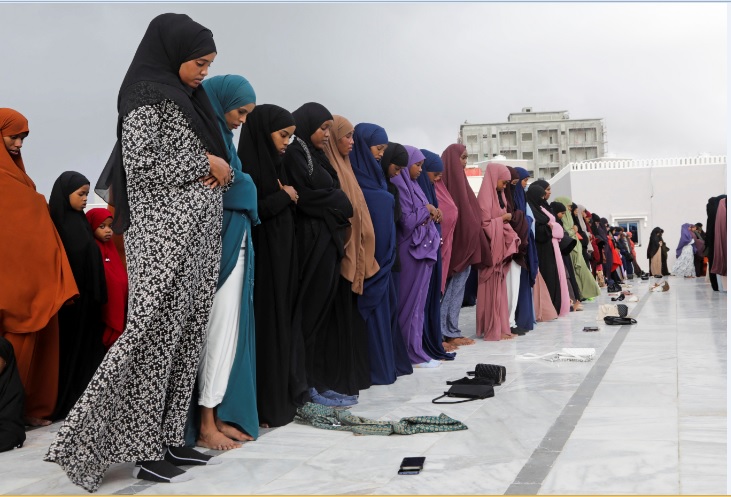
(526, 137)
(494, 136)
(563, 152)
(486, 155)
(527, 155)
(484, 137)
(471, 138)
(633, 225)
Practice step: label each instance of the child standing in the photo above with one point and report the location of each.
(114, 312)
(80, 330)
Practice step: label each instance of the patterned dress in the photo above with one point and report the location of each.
(685, 264)
(138, 399)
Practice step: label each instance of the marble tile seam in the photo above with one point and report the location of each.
(540, 463)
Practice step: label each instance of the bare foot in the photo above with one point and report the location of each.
(460, 341)
(263, 425)
(31, 421)
(507, 336)
(449, 347)
(216, 441)
(232, 433)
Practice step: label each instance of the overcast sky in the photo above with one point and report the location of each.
(656, 73)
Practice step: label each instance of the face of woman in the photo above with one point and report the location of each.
(394, 170)
(501, 184)
(434, 177)
(415, 170)
(14, 143)
(524, 183)
(548, 193)
(320, 137)
(78, 198)
(560, 215)
(237, 117)
(103, 232)
(345, 144)
(377, 151)
(463, 159)
(193, 72)
(282, 138)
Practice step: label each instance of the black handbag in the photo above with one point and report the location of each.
(619, 321)
(492, 372)
(567, 244)
(468, 389)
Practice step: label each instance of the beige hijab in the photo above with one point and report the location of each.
(359, 261)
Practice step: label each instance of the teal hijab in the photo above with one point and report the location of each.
(227, 93)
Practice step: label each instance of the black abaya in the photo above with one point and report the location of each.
(323, 210)
(544, 244)
(12, 396)
(81, 349)
(280, 375)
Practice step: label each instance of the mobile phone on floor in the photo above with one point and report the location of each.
(411, 465)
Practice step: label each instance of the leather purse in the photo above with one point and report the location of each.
(467, 389)
(492, 372)
(619, 321)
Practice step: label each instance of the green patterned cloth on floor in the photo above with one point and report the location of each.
(329, 418)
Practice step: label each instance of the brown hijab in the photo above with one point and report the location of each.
(466, 248)
(35, 273)
(359, 261)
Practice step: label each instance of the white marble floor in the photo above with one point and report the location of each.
(647, 416)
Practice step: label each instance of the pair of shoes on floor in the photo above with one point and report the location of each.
(332, 394)
(433, 363)
(344, 401)
(167, 470)
(517, 330)
(619, 298)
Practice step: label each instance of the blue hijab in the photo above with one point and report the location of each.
(227, 93)
(519, 193)
(432, 164)
(367, 170)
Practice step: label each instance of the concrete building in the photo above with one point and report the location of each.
(549, 140)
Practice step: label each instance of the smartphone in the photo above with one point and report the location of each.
(591, 328)
(411, 465)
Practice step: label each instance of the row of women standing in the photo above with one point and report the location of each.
(339, 264)
(324, 281)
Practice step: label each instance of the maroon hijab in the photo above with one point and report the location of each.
(466, 248)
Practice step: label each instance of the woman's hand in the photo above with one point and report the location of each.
(291, 192)
(434, 213)
(220, 172)
(293, 195)
(507, 217)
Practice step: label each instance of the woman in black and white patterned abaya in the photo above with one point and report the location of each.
(167, 180)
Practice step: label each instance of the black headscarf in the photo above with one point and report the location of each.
(170, 40)
(77, 237)
(12, 398)
(557, 207)
(395, 153)
(535, 199)
(259, 158)
(654, 243)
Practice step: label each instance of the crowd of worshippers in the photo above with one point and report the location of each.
(226, 286)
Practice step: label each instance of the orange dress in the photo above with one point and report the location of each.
(37, 279)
